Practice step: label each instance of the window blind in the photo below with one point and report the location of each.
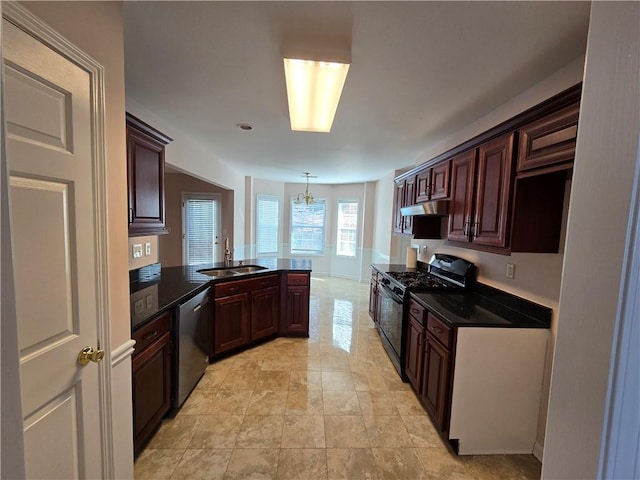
(267, 217)
(200, 224)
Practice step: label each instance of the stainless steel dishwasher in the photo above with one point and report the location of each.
(193, 327)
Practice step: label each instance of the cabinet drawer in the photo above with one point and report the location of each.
(438, 329)
(416, 311)
(151, 332)
(297, 279)
(263, 282)
(247, 285)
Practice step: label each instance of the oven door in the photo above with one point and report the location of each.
(391, 325)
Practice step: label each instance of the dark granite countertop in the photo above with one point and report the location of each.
(479, 306)
(154, 290)
(397, 267)
(485, 306)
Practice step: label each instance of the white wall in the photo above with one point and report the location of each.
(606, 159)
(384, 219)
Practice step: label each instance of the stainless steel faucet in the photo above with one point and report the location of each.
(227, 253)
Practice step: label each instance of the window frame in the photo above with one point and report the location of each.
(356, 229)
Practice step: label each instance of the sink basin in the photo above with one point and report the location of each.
(217, 272)
(247, 269)
(230, 271)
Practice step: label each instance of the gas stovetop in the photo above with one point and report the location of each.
(445, 272)
(421, 281)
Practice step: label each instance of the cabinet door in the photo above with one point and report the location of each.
(415, 353)
(151, 386)
(398, 200)
(494, 187)
(145, 175)
(297, 310)
(462, 190)
(423, 186)
(436, 381)
(409, 199)
(439, 181)
(550, 140)
(265, 309)
(231, 322)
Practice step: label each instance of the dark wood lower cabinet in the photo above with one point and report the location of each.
(151, 379)
(231, 322)
(415, 353)
(428, 362)
(265, 310)
(436, 381)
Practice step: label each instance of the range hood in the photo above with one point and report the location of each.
(436, 207)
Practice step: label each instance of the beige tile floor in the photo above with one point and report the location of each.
(327, 407)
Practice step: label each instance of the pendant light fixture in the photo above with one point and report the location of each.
(307, 196)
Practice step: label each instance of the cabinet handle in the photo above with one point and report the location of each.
(130, 215)
(420, 339)
(464, 229)
(436, 329)
(415, 310)
(474, 230)
(197, 307)
(150, 335)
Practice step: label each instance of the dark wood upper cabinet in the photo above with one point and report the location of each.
(433, 183)
(409, 199)
(550, 140)
(463, 167)
(507, 185)
(481, 188)
(145, 176)
(494, 190)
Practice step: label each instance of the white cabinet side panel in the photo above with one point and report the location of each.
(496, 389)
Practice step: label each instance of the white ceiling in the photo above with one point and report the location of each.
(420, 70)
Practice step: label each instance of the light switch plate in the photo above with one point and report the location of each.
(136, 250)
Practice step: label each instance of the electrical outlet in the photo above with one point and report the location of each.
(511, 270)
(149, 300)
(136, 250)
(138, 306)
(147, 249)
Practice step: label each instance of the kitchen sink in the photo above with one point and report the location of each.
(231, 271)
(248, 269)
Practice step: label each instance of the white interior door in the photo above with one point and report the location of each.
(51, 159)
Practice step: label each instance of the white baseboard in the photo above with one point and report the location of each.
(538, 450)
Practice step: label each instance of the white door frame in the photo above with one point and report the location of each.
(26, 21)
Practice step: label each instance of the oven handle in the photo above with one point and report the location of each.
(389, 293)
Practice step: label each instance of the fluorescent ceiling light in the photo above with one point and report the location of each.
(313, 90)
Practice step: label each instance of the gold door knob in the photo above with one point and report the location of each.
(88, 354)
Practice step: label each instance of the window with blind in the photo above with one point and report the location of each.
(307, 227)
(347, 228)
(267, 217)
(201, 218)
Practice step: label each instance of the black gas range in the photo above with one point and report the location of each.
(443, 273)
